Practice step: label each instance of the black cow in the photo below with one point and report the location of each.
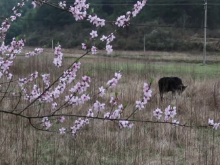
(173, 84)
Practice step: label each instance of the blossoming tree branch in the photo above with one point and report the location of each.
(30, 97)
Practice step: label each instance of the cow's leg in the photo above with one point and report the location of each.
(173, 93)
(161, 96)
(161, 91)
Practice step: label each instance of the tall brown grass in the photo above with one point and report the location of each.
(103, 142)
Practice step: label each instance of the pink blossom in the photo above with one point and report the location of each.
(170, 112)
(54, 105)
(122, 21)
(114, 101)
(99, 106)
(175, 122)
(62, 4)
(94, 50)
(47, 124)
(18, 14)
(139, 105)
(90, 113)
(107, 115)
(109, 49)
(125, 124)
(84, 46)
(114, 81)
(37, 51)
(46, 79)
(137, 7)
(216, 125)
(45, 119)
(34, 3)
(94, 34)
(62, 118)
(157, 113)
(62, 130)
(85, 97)
(103, 38)
(101, 91)
(116, 114)
(59, 56)
(13, 18)
(110, 38)
(79, 9)
(96, 21)
(211, 122)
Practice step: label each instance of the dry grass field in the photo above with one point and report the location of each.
(103, 143)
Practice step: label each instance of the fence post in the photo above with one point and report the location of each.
(205, 27)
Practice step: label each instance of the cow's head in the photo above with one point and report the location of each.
(182, 88)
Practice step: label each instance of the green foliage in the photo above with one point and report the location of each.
(45, 23)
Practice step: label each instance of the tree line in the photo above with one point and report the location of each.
(166, 24)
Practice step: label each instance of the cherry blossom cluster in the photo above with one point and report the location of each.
(46, 79)
(36, 51)
(101, 91)
(49, 94)
(169, 113)
(114, 101)
(123, 20)
(68, 76)
(19, 5)
(96, 21)
(125, 124)
(75, 100)
(114, 81)
(62, 4)
(116, 114)
(98, 106)
(81, 87)
(94, 50)
(39, 3)
(59, 56)
(108, 40)
(147, 95)
(4, 67)
(10, 53)
(34, 93)
(214, 125)
(24, 81)
(79, 9)
(79, 125)
(137, 7)
(47, 97)
(46, 123)
(7, 22)
(157, 113)
(15, 48)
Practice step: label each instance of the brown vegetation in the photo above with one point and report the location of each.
(103, 143)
